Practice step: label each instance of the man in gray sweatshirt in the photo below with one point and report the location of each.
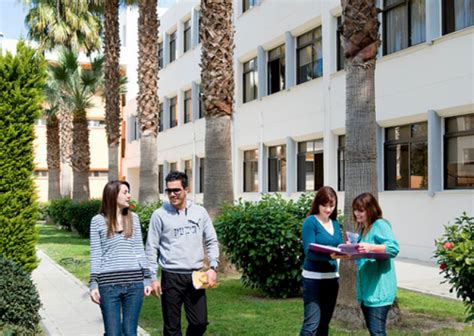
(178, 232)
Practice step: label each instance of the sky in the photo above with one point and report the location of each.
(12, 18)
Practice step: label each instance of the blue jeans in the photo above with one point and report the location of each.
(375, 319)
(121, 305)
(319, 297)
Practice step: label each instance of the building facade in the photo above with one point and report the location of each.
(289, 113)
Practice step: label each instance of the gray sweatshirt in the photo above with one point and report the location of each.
(178, 238)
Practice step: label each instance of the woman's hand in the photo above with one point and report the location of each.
(147, 290)
(95, 295)
(367, 248)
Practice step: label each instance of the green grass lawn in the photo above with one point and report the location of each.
(236, 310)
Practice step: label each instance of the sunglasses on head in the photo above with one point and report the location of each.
(175, 191)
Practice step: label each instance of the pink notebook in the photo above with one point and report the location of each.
(348, 249)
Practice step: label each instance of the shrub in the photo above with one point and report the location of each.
(455, 254)
(57, 211)
(144, 214)
(263, 240)
(43, 210)
(19, 300)
(22, 79)
(80, 215)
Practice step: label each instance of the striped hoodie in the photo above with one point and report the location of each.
(116, 260)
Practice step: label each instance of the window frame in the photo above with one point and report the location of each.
(448, 17)
(340, 57)
(408, 15)
(410, 141)
(300, 154)
(186, 35)
(281, 173)
(188, 170)
(161, 125)
(246, 162)
(341, 162)
(188, 106)
(253, 73)
(314, 40)
(173, 111)
(160, 55)
(248, 4)
(280, 61)
(173, 53)
(450, 135)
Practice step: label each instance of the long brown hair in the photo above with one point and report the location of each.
(368, 203)
(109, 209)
(324, 196)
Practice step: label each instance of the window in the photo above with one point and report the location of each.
(310, 165)
(187, 36)
(457, 14)
(250, 80)
(160, 179)
(160, 118)
(172, 47)
(188, 107)
(96, 123)
(160, 55)
(173, 112)
(133, 126)
(247, 4)
(98, 173)
(201, 103)
(403, 24)
(459, 152)
(310, 55)
(188, 170)
(276, 69)
(201, 175)
(199, 27)
(341, 59)
(251, 170)
(341, 152)
(40, 173)
(173, 166)
(277, 168)
(406, 157)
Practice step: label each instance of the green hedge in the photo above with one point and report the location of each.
(19, 300)
(144, 214)
(57, 211)
(80, 215)
(22, 79)
(263, 240)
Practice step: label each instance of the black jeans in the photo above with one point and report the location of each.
(376, 319)
(319, 296)
(178, 289)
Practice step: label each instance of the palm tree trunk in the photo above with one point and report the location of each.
(81, 158)
(218, 187)
(65, 137)
(53, 157)
(112, 84)
(147, 100)
(217, 83)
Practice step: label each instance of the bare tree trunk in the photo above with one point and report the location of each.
(65, 135)
(80, 190)
(53, 184)
(113, 162)
(65, 180)
(218, 187)
(53, 157)
(148, 170)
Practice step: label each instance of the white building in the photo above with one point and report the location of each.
(288, 128)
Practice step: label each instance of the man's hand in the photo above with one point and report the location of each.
(147, 290)
(211, 277)
(156, 289)
(95, 295)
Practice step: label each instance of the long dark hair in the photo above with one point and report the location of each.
(109, 209)
(368, 203)
(324, 196)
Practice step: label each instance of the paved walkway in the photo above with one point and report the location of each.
(67, 309)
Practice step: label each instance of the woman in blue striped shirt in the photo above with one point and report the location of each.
(119, 276)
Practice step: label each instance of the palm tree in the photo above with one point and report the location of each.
(78, 86)
(75, 25)
(63, 23)
(360, 40)
(217, 83)
(53, 157)
(147, 99)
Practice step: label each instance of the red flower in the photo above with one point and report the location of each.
(442, 266)
(132, 206)
(448, 245)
